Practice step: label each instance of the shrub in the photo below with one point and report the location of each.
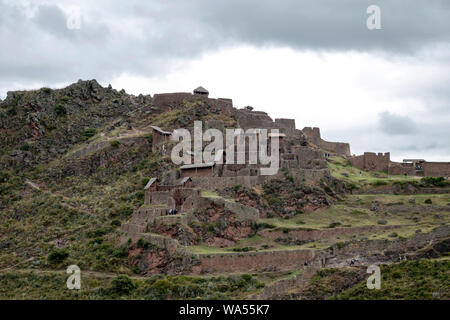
(334, 224)
(88, 133)
(379, 183)
(244, 249)
(57, 256)
(97, 233)
(115, 143)
(25, 147)
(428, 201)
(144, 244)
(162, 287)
(116, 223)
(393, 235)
(435, 181)
(60, 110)
(145, 181)
(264, 225)
(122, 285)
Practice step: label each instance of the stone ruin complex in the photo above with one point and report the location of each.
(371, 161)
(303, 154)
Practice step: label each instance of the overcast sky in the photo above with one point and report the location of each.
(315, 61)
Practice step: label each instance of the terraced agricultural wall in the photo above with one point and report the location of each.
(302, 236)
(254, 262)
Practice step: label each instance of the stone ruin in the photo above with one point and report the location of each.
(370, 161)
(182, 189)
(303, 154)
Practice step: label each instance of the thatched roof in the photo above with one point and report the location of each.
(201, 90)
(150, 182)
(197, 165)
(158, 129)
(184, 180)
(279, 135)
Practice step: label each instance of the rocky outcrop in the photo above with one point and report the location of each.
(39, 126)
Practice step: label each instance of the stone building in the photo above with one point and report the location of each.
(159, 138)
(198, 170)
(201, 91)
(370, 161)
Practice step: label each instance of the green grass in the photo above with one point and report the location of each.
(52, 285)
(412, 280)
(341, 169)
(210, 194)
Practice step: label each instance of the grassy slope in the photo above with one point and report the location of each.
(422, 279)
(52, 285)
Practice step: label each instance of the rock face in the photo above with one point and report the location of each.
(38, 126)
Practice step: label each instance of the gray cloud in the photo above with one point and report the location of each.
(392, 124)
(331, 25)
(146, 37)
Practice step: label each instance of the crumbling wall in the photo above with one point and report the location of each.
(313, 135)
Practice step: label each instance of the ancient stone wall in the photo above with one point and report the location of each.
(213, 183)
(197, 172)
(379, 251)
(164, 102)
(309, 158)
(287, 126)
(312, 235)
(254, 262)
(253, 119)
(371, 161)
(339, 148)
(436, 169)
(278, 288)
(357, 161)
(397, 168)
(158, 139)
(159, 198)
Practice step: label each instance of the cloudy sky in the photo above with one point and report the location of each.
(315, 61)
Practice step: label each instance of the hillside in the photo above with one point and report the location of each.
(74, 163)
